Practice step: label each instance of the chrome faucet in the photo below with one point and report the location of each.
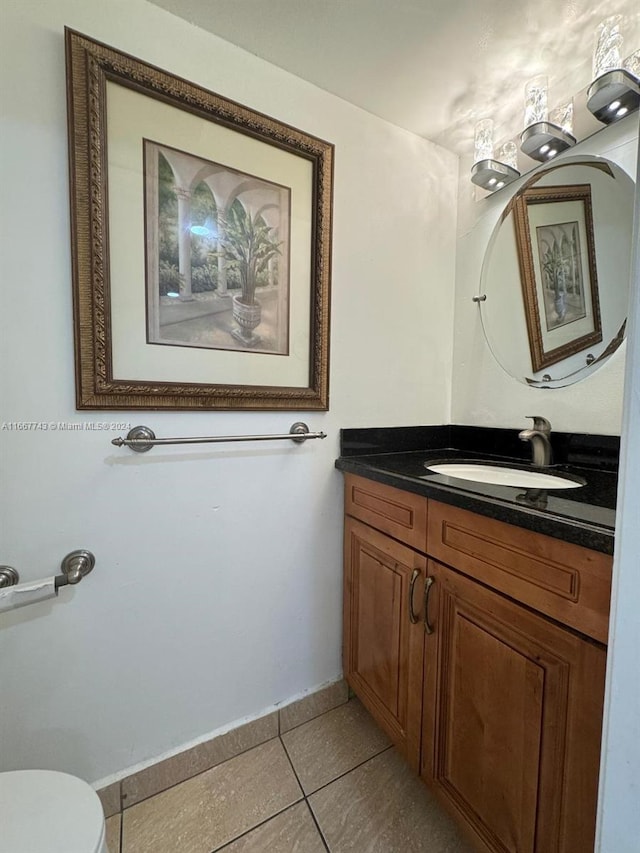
(540, 438)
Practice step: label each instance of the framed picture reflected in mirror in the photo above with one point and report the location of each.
(556, 256)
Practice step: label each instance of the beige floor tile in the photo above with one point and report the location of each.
(206, 812)
(113, 833)
(293, 831)
(325, 748)
(382, 807)
(317, 703)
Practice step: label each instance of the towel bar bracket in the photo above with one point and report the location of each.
(74, 567)
(8, 576)
(299, 432)
(142, 434)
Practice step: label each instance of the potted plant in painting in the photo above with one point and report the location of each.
(249, 244)
(554, 264)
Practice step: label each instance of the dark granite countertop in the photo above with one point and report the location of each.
(586, 516)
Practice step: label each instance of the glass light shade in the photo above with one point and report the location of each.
(509, 155)
(607, 55)
(535, 100)
(632, 64)
(562, 117)
(483, 140)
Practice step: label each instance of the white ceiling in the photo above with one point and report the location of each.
(433, 67)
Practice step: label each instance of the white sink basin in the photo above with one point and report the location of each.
(497, 475)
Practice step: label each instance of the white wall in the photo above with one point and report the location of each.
(483, 393)
(217, 589)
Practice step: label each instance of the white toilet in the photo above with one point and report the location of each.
(48, 812)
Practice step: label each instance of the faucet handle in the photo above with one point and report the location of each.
(541, 424)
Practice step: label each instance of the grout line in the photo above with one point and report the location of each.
(121, 835)
(308, 804)
(315, 820)
(286, 752)
(121, 847)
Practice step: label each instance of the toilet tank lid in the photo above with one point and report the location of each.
(48, 810)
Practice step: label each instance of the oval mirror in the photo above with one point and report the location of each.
(555, 277)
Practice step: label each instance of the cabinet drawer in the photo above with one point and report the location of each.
(565, 581)
(398, 513)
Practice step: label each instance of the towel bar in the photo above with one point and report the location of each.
(141, 438)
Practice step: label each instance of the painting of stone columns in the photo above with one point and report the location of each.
(560, 259)
(217, 255)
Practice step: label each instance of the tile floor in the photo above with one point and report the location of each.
(331, 784)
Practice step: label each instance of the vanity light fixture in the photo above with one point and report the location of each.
(615, 91)
(544, 136)
(614, 95)
(487, 172)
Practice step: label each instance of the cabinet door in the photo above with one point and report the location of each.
(383, 632)
(512, 722)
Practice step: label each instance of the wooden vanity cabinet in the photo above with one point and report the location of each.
(495, 693)
(512, 720)
(383, 633)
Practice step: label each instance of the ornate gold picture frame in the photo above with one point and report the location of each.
(201, 244)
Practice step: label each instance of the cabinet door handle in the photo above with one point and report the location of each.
(414, 577)
(427, 590)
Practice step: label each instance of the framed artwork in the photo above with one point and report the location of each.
(201, 244)
(556, 255)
